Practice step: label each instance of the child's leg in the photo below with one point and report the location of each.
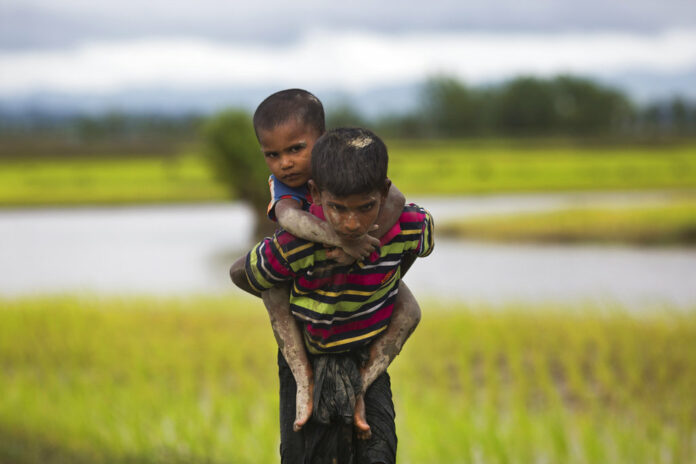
(379, 410)
(405, 318)
(291, 345)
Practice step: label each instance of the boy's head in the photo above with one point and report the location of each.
(349, 179)
(287, 124)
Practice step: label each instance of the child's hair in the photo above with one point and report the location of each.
(287, 104)
(349, 161)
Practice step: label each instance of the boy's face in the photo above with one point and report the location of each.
(287, 149)
(351, 216)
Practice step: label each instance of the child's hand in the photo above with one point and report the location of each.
(361, 248)
(340, 256)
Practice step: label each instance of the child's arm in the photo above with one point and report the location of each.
(305, 225)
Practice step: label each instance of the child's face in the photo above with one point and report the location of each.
(287, 149)
(351, 216)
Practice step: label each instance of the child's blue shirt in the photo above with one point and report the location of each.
(280, 190)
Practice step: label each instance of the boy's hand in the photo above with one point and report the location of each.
(360, 248)
(340, 256)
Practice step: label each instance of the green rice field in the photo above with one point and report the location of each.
(448, 168)
(668, 224)
(107, 380)
(76, 181)
(416, 167)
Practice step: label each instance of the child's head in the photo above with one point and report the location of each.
(287, 124)
(349, 179)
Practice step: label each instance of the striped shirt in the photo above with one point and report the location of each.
(340, 307)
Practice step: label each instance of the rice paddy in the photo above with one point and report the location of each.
(418, 168)
(97, 380)
(670, 224)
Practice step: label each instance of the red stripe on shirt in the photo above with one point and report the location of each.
(341, 279)
(273, 260)
(338, 328)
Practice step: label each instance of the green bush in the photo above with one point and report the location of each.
(233, 150)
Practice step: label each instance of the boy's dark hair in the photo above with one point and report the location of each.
(349, 161)
(286, 104)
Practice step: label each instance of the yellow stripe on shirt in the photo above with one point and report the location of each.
(349, 340)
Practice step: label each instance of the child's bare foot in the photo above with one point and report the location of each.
(362, 428)
(303, 405)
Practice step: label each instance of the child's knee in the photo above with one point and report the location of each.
(412, 309)
(409, 306)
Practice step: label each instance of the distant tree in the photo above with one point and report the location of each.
(672, 117)
(584, 107)
(527, 106)
(409, 125)
(234, 152)
(523, 106)
(451, 109)
(683, 116)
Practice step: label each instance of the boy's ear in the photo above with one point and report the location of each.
(314, 191)
(387, 186)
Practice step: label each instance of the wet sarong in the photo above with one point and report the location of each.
(329, 435)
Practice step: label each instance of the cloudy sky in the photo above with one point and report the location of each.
(81, 46)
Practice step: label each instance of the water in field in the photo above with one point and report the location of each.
(173, 250)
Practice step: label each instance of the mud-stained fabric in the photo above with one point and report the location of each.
(329, 435)
(336, 384)
(350, 307)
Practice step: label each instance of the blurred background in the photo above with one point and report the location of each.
(553, 142)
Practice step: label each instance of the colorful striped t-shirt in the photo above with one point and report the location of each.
(340, 307)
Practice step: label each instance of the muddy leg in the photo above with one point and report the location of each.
(384, 349)
(291, 345)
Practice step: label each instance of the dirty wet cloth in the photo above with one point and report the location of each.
(329, 435)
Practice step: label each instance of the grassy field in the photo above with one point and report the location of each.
(417, 168)
(507, 166)
(108, 181)
(669, 224)
(149, 381)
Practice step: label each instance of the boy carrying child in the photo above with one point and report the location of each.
(343, 305)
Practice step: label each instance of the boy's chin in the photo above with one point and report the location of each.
(295, 181)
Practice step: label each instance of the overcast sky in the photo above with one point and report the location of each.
(102, 46)
(57, 23)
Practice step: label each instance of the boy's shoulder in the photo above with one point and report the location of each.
(413, 213)
(280, 190)
(413, 218)
(416, 230)
(278, 186)
(294, 250)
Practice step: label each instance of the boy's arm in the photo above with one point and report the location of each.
(391, 211)
(305, 225)
(264, 267)
(406, 262)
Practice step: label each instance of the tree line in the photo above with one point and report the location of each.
(448, 108)
(529, 106)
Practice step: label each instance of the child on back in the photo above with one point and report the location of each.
(345, 311)
(287, 125)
